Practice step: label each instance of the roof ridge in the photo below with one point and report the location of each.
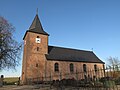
(71, 48)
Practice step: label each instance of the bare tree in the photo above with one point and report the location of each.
(10, 49)
(114, 63)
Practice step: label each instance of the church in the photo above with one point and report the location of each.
(41, 60)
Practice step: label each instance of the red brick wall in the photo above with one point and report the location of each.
(33, 59)
(64, 69)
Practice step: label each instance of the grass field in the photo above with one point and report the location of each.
(11, 80)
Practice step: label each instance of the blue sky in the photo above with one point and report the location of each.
(79, 24)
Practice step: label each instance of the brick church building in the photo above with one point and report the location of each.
(42, 60)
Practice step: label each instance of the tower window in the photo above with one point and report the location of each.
(38, 40)
(84, 68)
(37, 48)
(38, 37)
(56, 67)
(36, 64)
(71, 67)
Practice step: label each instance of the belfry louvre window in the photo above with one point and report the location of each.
(84, 68)
(71, 67)
(56, 67)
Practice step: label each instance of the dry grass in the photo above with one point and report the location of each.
(11, 79)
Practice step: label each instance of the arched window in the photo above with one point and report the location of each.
(71, 67)
(95, 68)
(56, 67)
(84, 68)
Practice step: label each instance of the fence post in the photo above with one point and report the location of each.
(76, 75)
(104, 70)
(50, 76)
(60, 76)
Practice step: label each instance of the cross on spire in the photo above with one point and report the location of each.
(37, 11)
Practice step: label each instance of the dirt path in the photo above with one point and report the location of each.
(46, 87)
(14, 87)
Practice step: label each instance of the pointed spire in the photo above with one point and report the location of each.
(36, 26)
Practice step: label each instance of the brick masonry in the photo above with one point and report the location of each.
(36, 65)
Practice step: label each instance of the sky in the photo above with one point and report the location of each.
(80, 24)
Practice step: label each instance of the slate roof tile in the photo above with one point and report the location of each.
(74, 55)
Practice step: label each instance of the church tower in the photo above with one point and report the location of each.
(35, 49)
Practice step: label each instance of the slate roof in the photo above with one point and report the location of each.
(74, 55)
(36, 27)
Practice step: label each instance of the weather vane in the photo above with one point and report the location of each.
(92, 49)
